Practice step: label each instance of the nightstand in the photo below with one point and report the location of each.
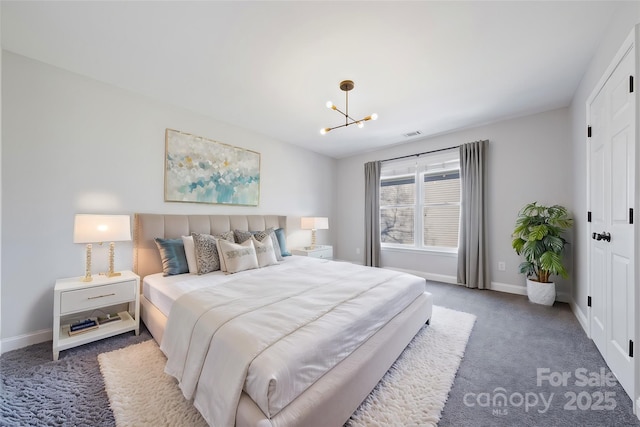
(318, 251)
(75, 300)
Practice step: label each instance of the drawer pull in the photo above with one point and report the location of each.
(101, 296)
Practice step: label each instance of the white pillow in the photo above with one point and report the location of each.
(190, 252)
(237, 257)
(265, 252)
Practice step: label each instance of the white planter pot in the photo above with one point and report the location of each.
(541, 293)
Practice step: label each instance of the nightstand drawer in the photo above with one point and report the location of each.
(324, 253)
(97, 296)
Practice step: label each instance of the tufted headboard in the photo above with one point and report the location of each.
(146, 258)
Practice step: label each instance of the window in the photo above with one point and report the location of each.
(420, 202)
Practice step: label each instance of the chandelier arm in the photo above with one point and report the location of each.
(338, 127)
(346, 116)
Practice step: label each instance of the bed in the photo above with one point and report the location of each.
(330, 398)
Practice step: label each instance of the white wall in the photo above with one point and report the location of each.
(74, 145)
(528, 160)
(618, 30)
(0, 190)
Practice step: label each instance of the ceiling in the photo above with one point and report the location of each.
(270, 67)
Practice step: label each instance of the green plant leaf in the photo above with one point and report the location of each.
(538, 232)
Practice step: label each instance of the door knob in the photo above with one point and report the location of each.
(602, 236)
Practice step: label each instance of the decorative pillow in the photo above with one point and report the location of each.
(190, 252)
(242, 236)
(174, 260)
(282, 242)
(237, 257)
(261, 235)
(207, 258)
(227, 235)
(264, 252)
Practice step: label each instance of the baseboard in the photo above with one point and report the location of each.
(508, 288)
(20, 341)
(582, 318)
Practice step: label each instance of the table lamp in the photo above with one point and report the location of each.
(98, 229)
(313, 224)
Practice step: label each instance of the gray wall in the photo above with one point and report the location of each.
(619, 28)
(529, 159)
(74, 145)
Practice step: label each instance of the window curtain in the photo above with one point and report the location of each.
(372, 213)
(473, 263)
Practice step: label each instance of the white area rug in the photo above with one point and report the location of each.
(412, 393)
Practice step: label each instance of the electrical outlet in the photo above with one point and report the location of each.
(502, 266)
(357, 251)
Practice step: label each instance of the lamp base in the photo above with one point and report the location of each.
(112, 253)
(87, 269)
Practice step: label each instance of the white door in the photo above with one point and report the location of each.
(611, 199)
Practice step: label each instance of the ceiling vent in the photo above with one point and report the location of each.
(412, 134)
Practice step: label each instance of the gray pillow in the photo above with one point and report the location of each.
(207, 258)
(242, 236)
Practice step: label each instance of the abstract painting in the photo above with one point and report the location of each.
(202, 170)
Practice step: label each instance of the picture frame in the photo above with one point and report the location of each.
(202, 170)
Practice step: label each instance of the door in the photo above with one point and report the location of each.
(612, 229)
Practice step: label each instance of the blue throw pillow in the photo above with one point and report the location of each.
(174, 259)
(282, 241)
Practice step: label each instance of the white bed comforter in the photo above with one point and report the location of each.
(275, 333)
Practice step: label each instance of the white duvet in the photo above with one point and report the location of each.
(275, 333)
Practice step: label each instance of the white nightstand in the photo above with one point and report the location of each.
(318, 251)
(76, 300)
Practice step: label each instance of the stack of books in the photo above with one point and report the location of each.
(82, 326)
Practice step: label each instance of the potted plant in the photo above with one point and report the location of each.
(538, 237)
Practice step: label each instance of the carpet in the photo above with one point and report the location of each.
(412, 393)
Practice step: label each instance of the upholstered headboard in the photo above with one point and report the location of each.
(146, 258)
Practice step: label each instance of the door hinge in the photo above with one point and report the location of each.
(588, 131)
(589, 216)
(630, 215)
(630, 84)
(630, 348)
(588, 301)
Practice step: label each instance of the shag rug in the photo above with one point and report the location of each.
(412, 393)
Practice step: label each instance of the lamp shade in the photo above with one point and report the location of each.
(314, 223)
(101, 228)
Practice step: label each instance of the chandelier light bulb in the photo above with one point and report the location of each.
(360, 124)
(374, 116)
(330, 105)
(323, 131)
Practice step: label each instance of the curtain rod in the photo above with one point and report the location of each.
(419, 154)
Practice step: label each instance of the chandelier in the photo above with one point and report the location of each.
(346, 86)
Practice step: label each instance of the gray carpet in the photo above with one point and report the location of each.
(510, 340)
(36, 391)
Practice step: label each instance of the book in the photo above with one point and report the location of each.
(84, 329)
(109, 318)
(83, 324)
